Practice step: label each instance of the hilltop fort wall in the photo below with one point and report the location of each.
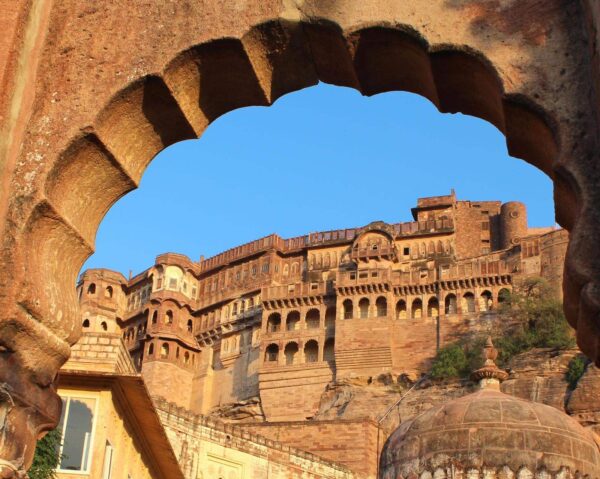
(276, 320)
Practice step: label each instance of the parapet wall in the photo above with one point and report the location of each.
(354, 443)
(209, 448)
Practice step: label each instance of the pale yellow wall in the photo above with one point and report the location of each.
(109, 425)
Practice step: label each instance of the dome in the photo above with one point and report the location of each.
(490, 434)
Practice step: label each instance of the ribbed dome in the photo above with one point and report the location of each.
(490, 431)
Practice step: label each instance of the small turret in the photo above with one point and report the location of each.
(513, 223)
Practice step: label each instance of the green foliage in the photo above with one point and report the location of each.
(535, 319)
(529, 317)
(576, 369)
(450, 362)
(46, 457)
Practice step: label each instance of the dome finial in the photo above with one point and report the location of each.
(490, 375)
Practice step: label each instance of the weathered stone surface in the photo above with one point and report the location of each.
(91, 93)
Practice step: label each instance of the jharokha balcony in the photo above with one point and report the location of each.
(387, 252)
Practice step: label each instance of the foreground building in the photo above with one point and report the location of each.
(275, 320)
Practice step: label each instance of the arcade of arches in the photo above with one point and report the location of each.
(82, 119)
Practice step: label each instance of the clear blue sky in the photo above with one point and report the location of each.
(318, 159)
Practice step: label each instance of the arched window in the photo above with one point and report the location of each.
(151, 350)
(313, 319)
(169, 317)
(328, 350)
(154, 317)
(417, 309)
(186, 358)
(292, 322)
(250, 302)
(363, 308)
(311, 351)
(330, 318)
(274, 323)
(348, 309)
(190, 325)
(91, 288)
(381, 305)
(401, 309)
(433, 307)
(468, 303)
(104, 326)
(272, 353)
(294, 268)
(450, 304)
(177, 353)
(485, 301)
(86, 323)
(164, 350)
(290, 352)
(286, 270)
(108, 292)
(503, 295)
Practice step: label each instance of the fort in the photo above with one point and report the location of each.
(257, 333)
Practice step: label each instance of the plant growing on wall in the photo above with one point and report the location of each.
(46, 458)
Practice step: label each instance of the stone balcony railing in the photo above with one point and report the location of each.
(296, 290)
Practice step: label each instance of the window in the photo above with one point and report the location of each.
(485, 225)
(406, 251)
(91, 289)
(76, 426)
(108, 455)
(108, 292)
(265, 268)
(86, 323)
(172, 283)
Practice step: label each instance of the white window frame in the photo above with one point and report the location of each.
(67, 397)
(108, 460)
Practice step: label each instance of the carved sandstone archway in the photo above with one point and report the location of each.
(527, 88)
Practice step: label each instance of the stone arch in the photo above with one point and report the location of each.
(86, 323)
(348, 309)
(56, 233)
(108, 292)
(274, 322)
(168, 317)
(416, 310)
(363, 308)
(272, 353)
(311, 351)
(381, 306)
(401, 309)
(313, 319)
(503, 295)
(450, 304)
(292, 321)
(485, 301)
(91, 289)
(433, 307)
(291, 352)
(468, 303)
(164, 350)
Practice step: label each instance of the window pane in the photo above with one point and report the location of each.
(77, 434)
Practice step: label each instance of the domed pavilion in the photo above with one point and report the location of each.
(489, 434)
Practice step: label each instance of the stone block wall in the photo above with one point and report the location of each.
(292, 393)
(103, 352)
(210, 449)
(353, 443)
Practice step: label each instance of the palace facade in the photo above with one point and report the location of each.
(273, 321)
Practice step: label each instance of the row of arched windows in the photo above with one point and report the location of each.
(312, 320)
(468, 304)
(168, 318)
(187, 358)
(291, 352)
(108, 291)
